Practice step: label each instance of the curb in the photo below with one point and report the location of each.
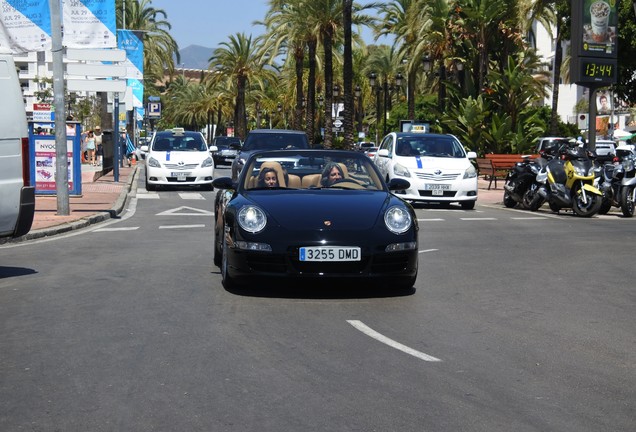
(66, 227)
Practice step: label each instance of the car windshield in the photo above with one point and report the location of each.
(169, 142)
(311, 169)
(226, 142)
(429, 146)
(274, 141)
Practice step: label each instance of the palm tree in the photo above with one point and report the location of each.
(402, 21)
(241, 58)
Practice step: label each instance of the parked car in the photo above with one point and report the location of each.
(605, 149)
(305, 226)
(227, 149)
(550, 143)
(370, 152)
(17, 195)
(177, 157)
(268, 139)
(364, 146)
(437, 167)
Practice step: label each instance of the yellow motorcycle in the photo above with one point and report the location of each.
(568, 182)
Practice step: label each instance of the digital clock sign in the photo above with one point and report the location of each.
(595, 70)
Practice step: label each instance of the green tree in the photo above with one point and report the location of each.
(241, 59)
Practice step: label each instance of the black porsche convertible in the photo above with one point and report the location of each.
(319, 214)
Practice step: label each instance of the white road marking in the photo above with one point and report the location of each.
(191, 196)
(478, 219)
(181, 226)
(116, 229)
(431, 220)
(428, 250)
(179, 211)
(359, 325)
(530, 218)
(148, 195)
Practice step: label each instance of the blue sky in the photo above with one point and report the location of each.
(210, 22)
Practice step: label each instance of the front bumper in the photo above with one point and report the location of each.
(165, 176)
(424, 188)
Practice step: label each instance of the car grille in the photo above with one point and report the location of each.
(390, 263)
(441, 177)
(428, 193)
(174, 179)
(277, 264)
(181, 167)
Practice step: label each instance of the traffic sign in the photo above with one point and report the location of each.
(337, 123)
(154, 110)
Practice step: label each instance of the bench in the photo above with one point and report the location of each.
(496, 166)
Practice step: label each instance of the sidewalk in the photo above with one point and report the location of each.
(102, 198)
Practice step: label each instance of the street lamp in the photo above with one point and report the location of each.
(358, 94)
(426, 61)
(372, 81)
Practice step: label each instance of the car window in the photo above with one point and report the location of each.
(304, 171)
(179, 143)
(429, 146)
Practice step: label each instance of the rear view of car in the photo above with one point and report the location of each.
(268, 139)
(178, 158)
(17, 196)
(227, 149)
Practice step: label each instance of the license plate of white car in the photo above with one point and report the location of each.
(436, 186)
(329, 253)
(181, 176)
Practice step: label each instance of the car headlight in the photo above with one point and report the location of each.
(252, 219)
(401, 170)
(397, 219)
(471, 172)
(153, 162)
(208, 162)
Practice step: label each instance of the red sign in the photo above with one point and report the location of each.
(41, 107)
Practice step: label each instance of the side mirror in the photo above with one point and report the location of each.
(398, 184)
(471, 155)
(144, 148)
(223, 183)
(213, 149)
(383, 153)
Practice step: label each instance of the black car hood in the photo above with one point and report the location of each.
(339, 209)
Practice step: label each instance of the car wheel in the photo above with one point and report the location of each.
(228, 282)
(467, 205)
(217, 247)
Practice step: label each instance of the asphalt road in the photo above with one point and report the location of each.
(519, 322)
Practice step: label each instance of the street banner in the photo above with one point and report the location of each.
(25, 26)
(132, 42)
(89, 23)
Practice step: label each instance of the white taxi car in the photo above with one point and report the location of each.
(436, 165)
(177, 157)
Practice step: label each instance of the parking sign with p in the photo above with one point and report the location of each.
(154, 110)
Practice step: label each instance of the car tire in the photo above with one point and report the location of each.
(217, 248)
(227, 280)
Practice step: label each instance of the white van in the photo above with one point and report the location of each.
(17, 196)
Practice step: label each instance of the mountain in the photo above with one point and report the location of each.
(195, 57)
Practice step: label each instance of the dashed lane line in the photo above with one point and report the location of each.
(181, 226)
(116, 229)
(359, 325)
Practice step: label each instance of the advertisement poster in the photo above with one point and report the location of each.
(89, 23)
(600, 23)
(25, 26)
(45, 164)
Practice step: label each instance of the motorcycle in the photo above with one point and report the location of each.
(618, 182)
(568, 182)
(518, 181)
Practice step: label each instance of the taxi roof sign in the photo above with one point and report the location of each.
(419, 128)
